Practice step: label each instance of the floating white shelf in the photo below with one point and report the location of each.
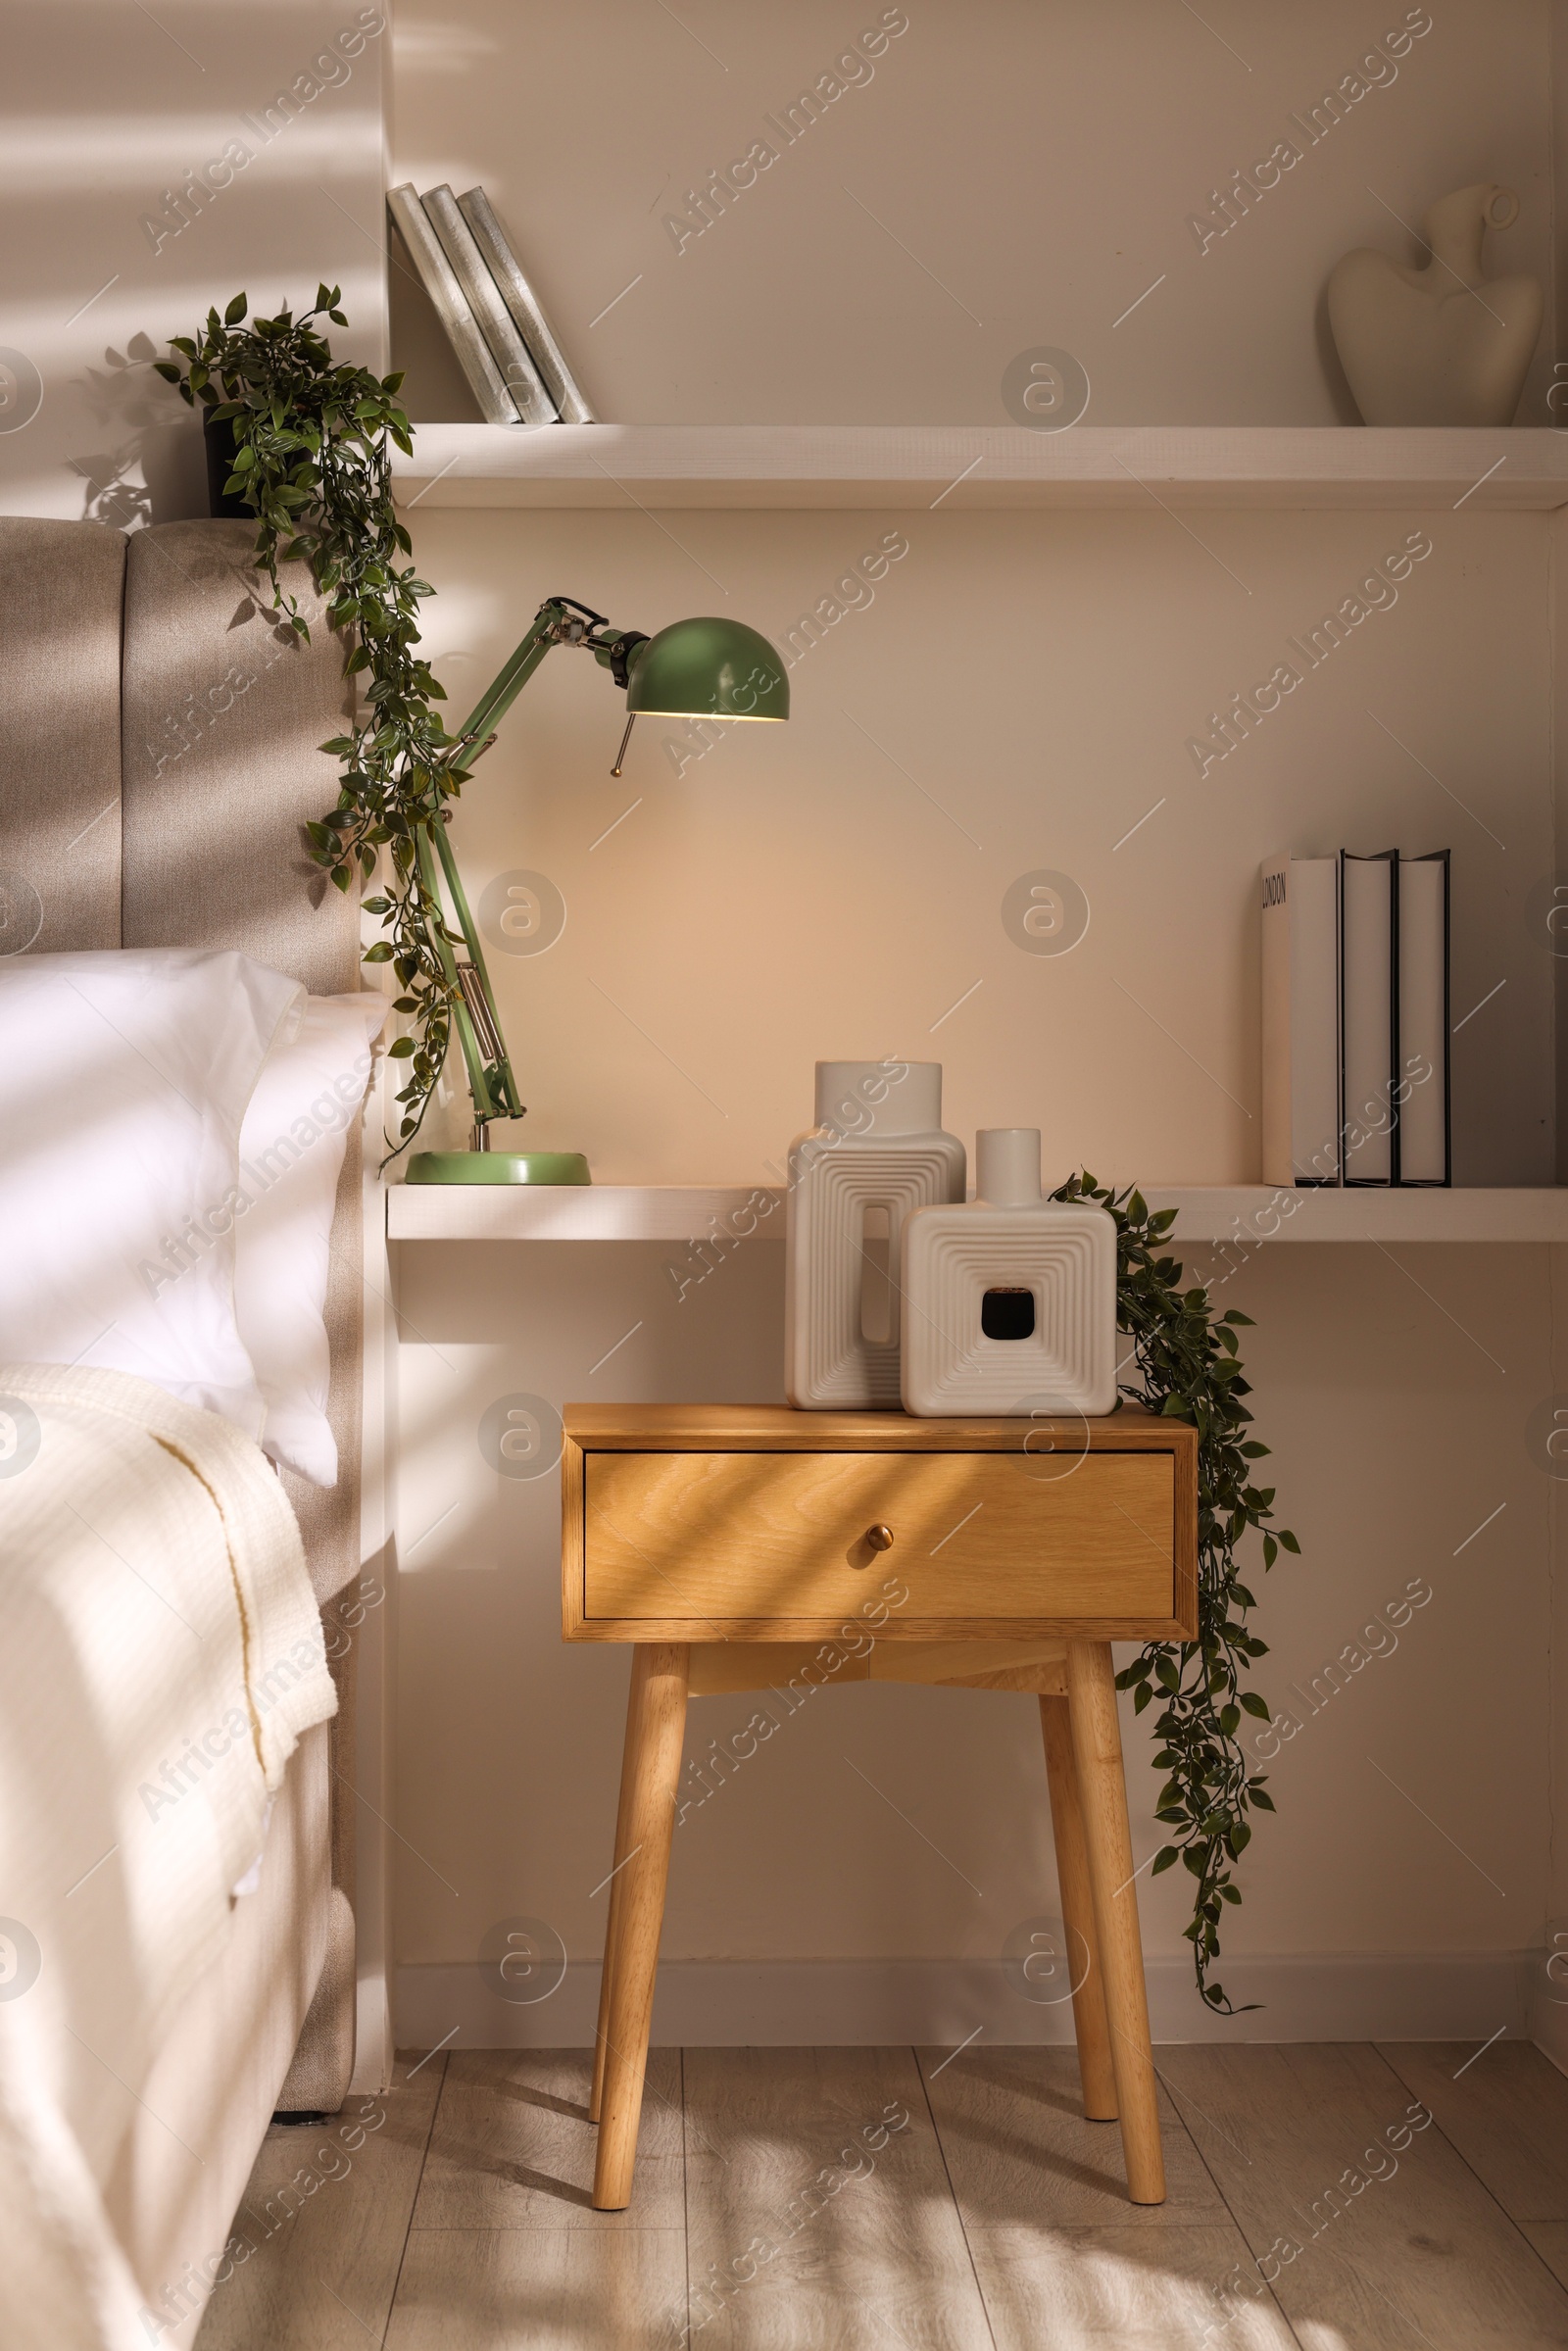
(1243, 1214)
(1261, 1211)
(570, 1211)
(980, 466)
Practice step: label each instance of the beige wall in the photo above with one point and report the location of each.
(1031, 168)
(105, 108)
(800, 891)
(1018, 695)
(1394, 1437)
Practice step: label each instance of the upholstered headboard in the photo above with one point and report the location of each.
(159, 757)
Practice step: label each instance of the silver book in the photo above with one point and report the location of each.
(440, 279)
(508, 349)
(527, 312)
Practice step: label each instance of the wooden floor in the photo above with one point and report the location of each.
(1336, 2198)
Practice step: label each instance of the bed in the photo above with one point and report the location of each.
(159, 754)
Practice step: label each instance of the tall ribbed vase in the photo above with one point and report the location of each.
(876, 1152)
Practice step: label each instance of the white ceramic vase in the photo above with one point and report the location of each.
(1442, 344)
(876, 1153)
(1010, 1302)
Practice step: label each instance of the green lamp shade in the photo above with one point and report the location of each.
(707, 669)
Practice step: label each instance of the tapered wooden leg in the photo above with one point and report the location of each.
(623, 1843)
(1095, 2068)
(1102, 1796)
(659, 1674)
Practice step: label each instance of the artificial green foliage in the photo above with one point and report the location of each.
(313, 462)
(1188, 1369)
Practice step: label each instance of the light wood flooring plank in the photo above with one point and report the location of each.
(540, 2289)
(1506, 2112)
(326, 2257)
(1124, 2289)
(513, 2146)
(1419, 2259)
(1060, 2254)
(1017, 2146)
(818, 2209)
(861, 2245)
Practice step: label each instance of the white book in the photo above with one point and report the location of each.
(440, 282)
(1425, 1156)
(507, 347)
(1300, 1020)
(527, 310)
(1369, 931)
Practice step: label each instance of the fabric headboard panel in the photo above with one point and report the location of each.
(159, 758)
(61, 589)
(224, 715)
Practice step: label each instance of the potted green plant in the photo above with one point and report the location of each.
(311, 440)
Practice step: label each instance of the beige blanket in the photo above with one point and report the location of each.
(160, 1654)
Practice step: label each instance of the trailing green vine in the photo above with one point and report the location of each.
(1188, 1369)
(313, 462)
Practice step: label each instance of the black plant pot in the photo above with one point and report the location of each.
(219, 434)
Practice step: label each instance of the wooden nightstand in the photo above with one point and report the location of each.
(729, 1542)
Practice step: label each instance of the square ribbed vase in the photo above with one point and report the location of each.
(876, 1153)
(1009, 1303)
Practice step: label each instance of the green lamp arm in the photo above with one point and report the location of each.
(560, 621)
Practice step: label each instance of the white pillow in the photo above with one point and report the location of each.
(291, 1154)
(124, 1079)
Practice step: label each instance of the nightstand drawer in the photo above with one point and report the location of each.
(775, 1545)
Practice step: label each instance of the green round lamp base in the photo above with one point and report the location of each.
(498, 1167)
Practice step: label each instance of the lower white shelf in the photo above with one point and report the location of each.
(1250, 1212)
(1243, 1214)
(579, 1211)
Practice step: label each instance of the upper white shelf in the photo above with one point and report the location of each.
(980, 466)
(1243, 1214)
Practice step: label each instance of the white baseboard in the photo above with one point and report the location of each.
(866, 2003)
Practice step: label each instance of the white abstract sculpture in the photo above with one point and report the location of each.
(1441, 344)
(1009, 1303)
(876, 1152)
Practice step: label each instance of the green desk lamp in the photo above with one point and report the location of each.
(693, 669)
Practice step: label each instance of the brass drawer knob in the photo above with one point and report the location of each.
(879, 1538)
